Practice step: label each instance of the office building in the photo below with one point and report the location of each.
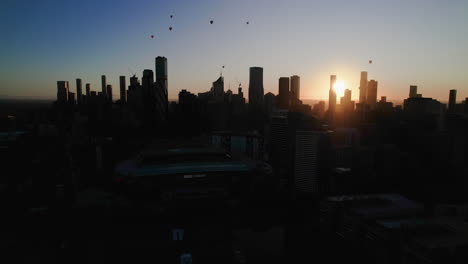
(123, 91)
(62, 91)
(363, 88)
(306, 151)
(103, 86)
(283, 93)
(345, 103)
(371, 98)
(88, 89)
(218, 87)
(332, 95)
(109, 92)
(413, 91)
(295, 88)
(79, 91)
(256, 89)
(161, 93)
(452, 100)
(71, 98)
(270, 103)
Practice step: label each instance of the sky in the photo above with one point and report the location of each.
(421, 42)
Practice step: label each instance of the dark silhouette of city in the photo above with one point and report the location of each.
(121, 173)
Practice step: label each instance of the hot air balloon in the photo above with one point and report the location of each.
(170, 28)
(370, 61)
(211, 21)
(171, 16)
(152, 36)
(248, 22)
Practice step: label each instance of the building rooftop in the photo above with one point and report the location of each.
(182, 161)
(379, 205)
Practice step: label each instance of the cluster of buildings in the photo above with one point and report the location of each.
(144, 102)
(389, 228)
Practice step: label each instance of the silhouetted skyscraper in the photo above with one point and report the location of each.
(62, 91)
(332, 95)
(256, 89)
(372, 93)
(283, 93)
(413, 91)
(306, 161)
(161, 93)
(147, 83)
(88, 89)
(79, 91)
(452, 100)
(218, 87)
(109, 92)
(363, 88)
(103, 86)
(269, 102)
(295, 87)
(123, 92)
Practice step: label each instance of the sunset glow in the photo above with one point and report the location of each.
(339, 88)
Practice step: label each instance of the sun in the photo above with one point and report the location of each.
(339, 87)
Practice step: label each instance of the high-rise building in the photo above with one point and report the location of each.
(279, 145)
(134, 94)
(345, 101)
(103, 85)
(62, 91)
(79, 91)
(123, 91)
(256, 89)
(218, 87)
(71, 98)
(306, 162)
(269, 101)
(88, 89)
(283, 93)
(372, 93)
(363, 88)
(109, 92)
(147, 83)
(332, 95)
(295, 87)
(413, 91)
(452, 100)
(161, 93)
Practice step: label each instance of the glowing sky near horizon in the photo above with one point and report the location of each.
(422, 42)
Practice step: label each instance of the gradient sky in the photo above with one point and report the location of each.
(422, 42)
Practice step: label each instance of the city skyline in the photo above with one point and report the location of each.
(284, 38)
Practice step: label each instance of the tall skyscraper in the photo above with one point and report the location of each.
(79, 91)
(452, 100)
(332, 95)
(88, 89)
(109, 92)
(413, 91)
(345, 103)
(147, 83)
(256, 89)
(103, 85)
(283, 93)
(123, 92)
(295, 87)
(161, 93)
(62, 91)
(306, 161)
(372, 93)
(218, 87)
(363, 88)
